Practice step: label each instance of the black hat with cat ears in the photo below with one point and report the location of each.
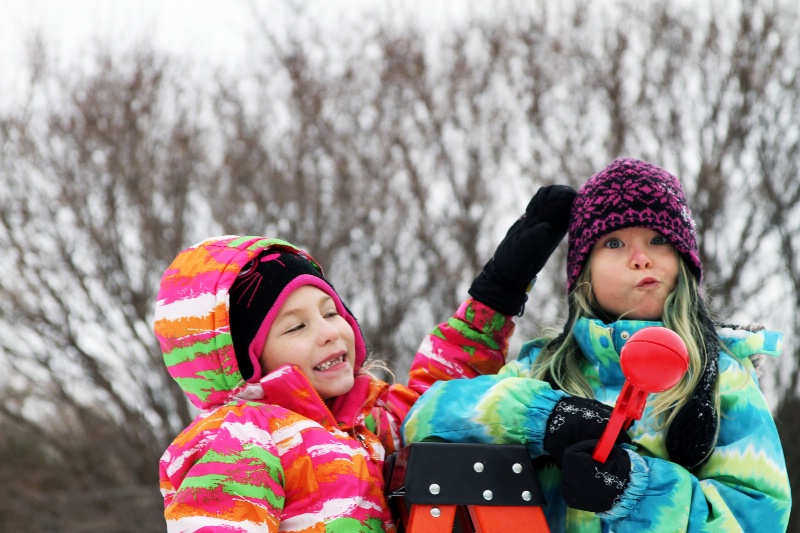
(256, 297)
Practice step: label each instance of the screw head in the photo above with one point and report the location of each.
(434, 488)
(487, 495)
(478, 467)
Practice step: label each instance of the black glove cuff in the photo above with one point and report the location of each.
(493, 289)
(509, 303)
(572, 420)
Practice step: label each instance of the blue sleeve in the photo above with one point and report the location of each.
(507, 408)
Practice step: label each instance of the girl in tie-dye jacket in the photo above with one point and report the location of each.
(293, 430)
(705, 455)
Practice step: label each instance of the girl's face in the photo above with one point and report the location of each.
(309, 333)
(633, 270)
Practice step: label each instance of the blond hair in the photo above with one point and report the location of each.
(561, 362)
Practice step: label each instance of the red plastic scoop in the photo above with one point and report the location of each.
(653, 360)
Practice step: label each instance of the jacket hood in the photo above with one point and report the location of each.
(192, 320)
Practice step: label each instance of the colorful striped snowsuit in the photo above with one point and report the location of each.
(271, 455)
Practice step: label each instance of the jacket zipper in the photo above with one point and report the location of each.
(359, 437)
(332, 418)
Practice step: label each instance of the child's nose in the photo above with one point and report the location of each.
(327, 332)
(639, 258)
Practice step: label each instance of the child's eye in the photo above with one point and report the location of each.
(296, 327)
(332, 313)
(613, 243)
(660, 239)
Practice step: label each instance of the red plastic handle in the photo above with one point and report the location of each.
(653, 360)
(629, 407)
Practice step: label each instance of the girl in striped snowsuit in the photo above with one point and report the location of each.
(293, 430)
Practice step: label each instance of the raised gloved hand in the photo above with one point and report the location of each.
(574, 420)
(503, 283)
(591, 486)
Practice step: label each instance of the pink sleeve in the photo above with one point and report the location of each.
(471, 343)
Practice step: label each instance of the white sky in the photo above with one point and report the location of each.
(207, 28)
(211, 29)
(201, 34)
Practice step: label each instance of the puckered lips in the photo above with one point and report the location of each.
(648, 283)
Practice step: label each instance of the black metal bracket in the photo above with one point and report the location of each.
(444, 473)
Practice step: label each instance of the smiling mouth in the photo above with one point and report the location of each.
(332, 362)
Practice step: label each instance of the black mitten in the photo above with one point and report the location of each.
(692, 434)
(591, 486)
(503, 282)
(574, 420)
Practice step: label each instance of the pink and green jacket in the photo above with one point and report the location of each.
(271, 455)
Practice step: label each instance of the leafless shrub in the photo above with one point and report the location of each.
(398, 157)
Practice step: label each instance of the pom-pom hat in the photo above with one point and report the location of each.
(630, 193)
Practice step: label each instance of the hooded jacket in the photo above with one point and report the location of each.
(742, 487)
(272, 455)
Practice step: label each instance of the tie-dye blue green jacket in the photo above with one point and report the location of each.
(744, 485)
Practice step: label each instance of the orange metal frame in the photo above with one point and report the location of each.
(483, 519)
(442, 488)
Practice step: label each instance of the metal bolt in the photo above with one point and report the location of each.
(526, 496)
(434, 489)
(435, 512)
(478, 467)
(487, 495)
(517, 468)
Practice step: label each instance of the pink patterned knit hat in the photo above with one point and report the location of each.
(630, 193)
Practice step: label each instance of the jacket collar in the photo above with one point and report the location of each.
(601, 344)
(290, 388)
